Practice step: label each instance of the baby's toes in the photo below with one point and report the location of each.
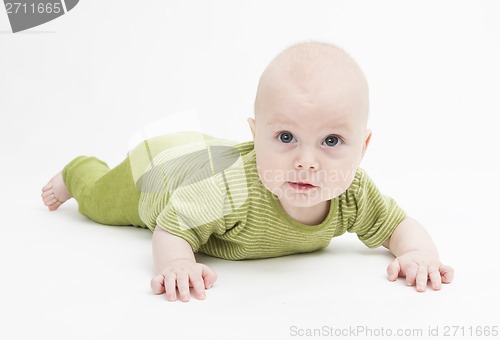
(47, 186)
(54, 206)
(48, 197)
(50, 200)
(47, 193)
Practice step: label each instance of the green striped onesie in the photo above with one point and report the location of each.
(207, 191)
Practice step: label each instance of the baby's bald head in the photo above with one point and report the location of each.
(323, 70)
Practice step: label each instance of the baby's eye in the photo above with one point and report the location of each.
(286, 137)
(332, 141)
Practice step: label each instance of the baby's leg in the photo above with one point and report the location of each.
(107, 196)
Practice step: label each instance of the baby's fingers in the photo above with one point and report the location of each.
(435, 278)
(393, 270)
(183, 286)
(209, 276)
(170, 284)
(157, 284)
(411, 270)
(447, 273)
(421, 279)
(198, 286)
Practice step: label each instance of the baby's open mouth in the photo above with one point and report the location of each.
(301, 186)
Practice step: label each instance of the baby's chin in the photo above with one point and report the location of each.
(299, 204)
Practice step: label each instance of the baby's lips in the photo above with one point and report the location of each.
(27, 14)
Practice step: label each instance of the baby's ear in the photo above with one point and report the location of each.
(251, 123)
(368, 137)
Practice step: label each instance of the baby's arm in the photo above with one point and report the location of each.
(417, 257)
(175, 265)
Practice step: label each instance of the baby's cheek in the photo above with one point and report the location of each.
(269, 165)
(337, 182)
(267, 176)
(334, 191)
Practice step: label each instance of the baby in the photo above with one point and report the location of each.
(291, 190)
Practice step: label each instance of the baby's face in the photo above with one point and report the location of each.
(309, 139)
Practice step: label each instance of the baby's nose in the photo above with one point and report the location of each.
(306, 161)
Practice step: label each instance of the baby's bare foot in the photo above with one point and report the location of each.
(54, 193)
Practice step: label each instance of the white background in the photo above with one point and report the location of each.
(85, 82)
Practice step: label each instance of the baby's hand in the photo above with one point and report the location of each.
(418, 267)
(183, 274)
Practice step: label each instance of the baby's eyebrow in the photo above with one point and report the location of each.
(281, 121)
(340, 126)
(343, 127)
